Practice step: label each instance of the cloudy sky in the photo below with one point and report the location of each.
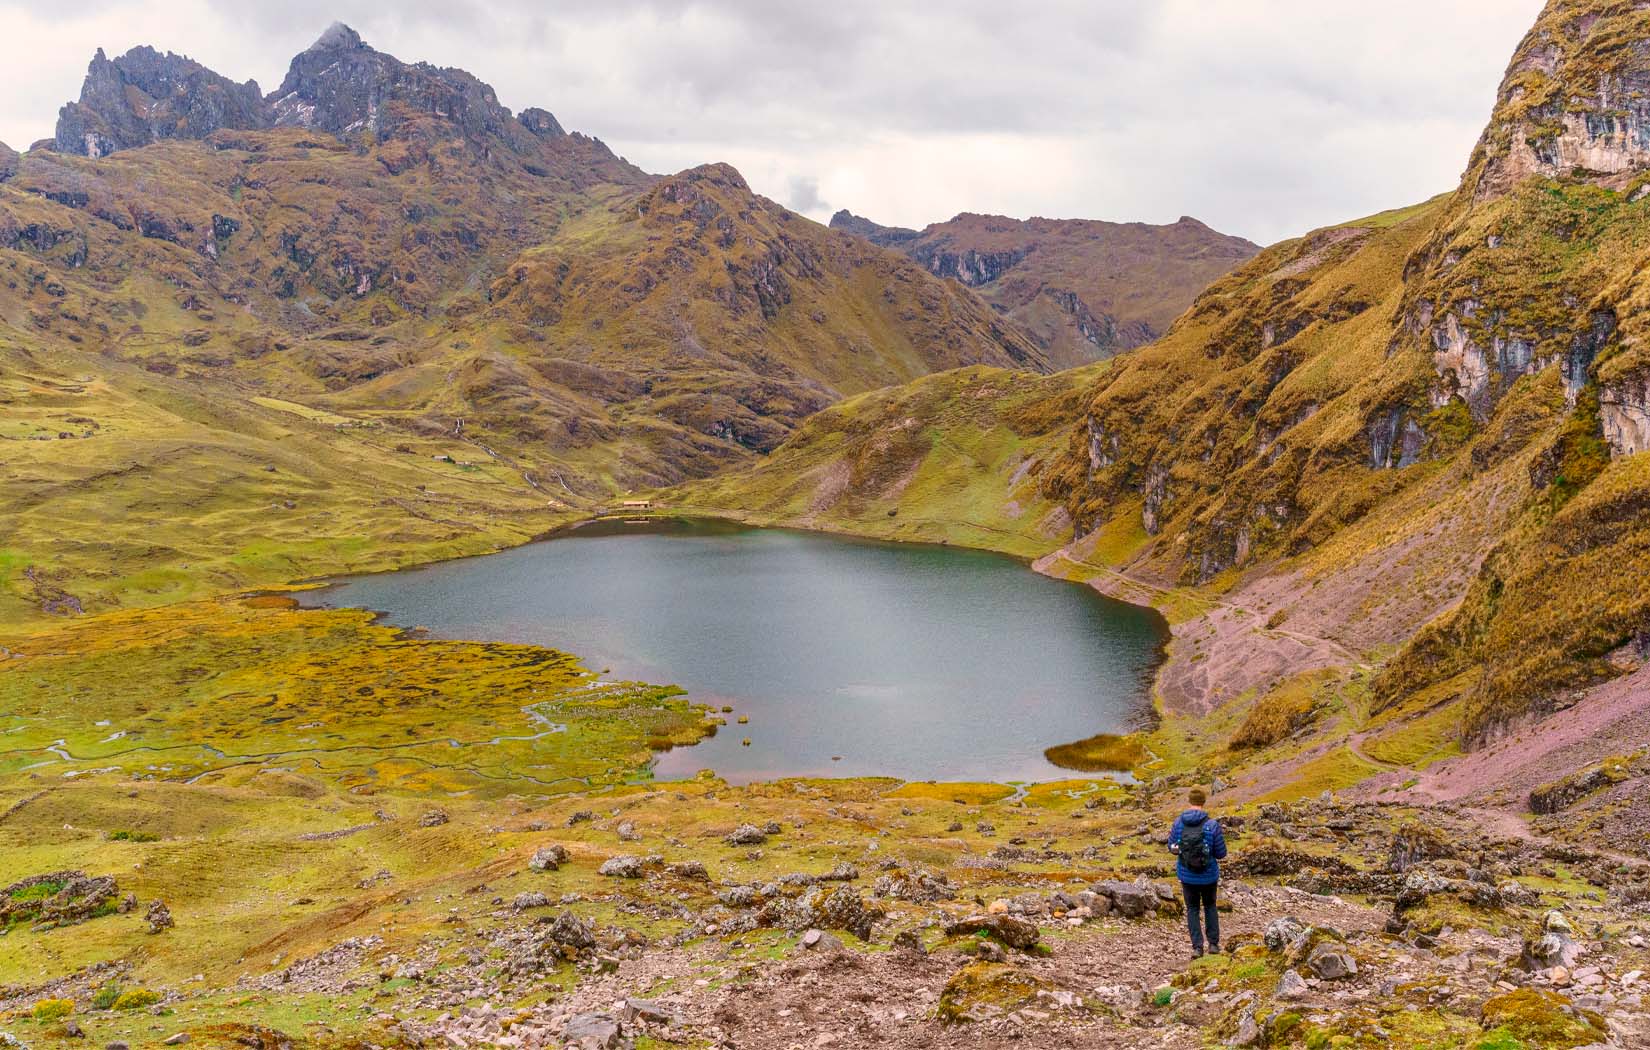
(1261, 117)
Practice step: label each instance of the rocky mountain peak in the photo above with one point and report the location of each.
(338, 37)
(145, 96)
(8, 162)
(1575, 100)
(339, 84)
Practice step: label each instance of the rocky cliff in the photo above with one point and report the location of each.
(1083, 289)
(1432, 414)
(338, 85)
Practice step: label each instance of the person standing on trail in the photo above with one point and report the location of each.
(1197, 841)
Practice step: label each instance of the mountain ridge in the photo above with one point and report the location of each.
(1084, 288)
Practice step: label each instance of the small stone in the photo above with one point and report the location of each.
(820, 941)
(1292, 986)
(434, 818)
(177, 1040)
(581, 817)
(628, 833)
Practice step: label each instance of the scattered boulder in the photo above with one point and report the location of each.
(548, 858)
(917, 884)
(840, 909)
(159, 917)
(627, 832)
(592, 1031)
(843, 872)
(982, 991)
(530, 899)
(433, 819)
(1131, 900)
(1555, 945)
(1284, 931)
(747, 835)
(689, 869)
(1330, 963)
(821, 941)
(1292, 986)
(1011, 930)
(573, 932)
(623, 867)
(581, 817)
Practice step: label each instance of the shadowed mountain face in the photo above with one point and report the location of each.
(1083, 289)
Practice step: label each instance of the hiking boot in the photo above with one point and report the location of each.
(1214, 949)
(1197, 952)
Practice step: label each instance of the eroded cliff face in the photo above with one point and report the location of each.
(1345, 389)
(1576, 100)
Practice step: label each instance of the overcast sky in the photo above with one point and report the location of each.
(1262, 117)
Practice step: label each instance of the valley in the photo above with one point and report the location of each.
(1381, 484)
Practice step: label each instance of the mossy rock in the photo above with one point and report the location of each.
(983, 990)
(1542, 1020)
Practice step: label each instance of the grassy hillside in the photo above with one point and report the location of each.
(955, 457)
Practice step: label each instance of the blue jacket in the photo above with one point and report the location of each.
(1212, 835)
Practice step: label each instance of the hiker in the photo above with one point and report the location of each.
(1197, 840)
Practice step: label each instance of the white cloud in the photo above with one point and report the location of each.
(1261, 117)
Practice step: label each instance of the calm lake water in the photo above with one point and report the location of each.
(908, 661)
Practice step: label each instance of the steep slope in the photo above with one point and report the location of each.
(1430, 417)
(1083, 289)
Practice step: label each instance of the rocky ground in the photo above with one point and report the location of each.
(842, 916)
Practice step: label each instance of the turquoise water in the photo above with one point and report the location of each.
(849, 657)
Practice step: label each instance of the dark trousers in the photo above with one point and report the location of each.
(1200, 905)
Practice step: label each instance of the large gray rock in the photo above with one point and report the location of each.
(1331, 963)
(548, 858)
(1284, 931)
(592, 1032)
(9, 160)
(747, 835)
(1129, 899)
(1011, 930)
(625, 867)
(1292, 986)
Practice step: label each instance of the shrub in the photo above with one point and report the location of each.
(52, 1009)
(104, 998)
(137, 999)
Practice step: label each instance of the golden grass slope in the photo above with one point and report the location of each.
(952, 458)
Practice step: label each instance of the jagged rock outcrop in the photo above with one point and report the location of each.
(9, 160)
(145, 96)
(1570, 104)
(343, 86)
(339, 85)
